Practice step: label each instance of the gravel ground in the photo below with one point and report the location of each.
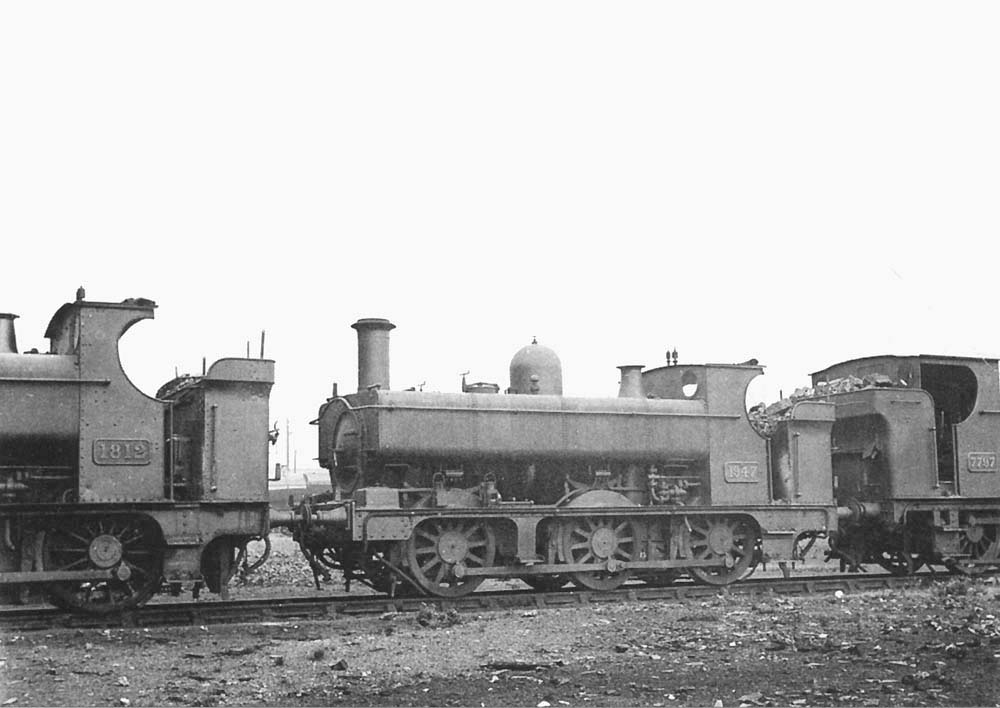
(935, 646)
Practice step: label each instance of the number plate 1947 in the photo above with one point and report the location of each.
(742, 472)
(121, 452)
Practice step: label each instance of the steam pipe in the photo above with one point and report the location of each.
(8, 340)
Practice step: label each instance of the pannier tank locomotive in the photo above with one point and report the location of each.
(892, 460)
(438, 491)
(108, 495)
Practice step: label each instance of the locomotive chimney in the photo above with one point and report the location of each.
(373, 352)
(8, 342)
(631, 384)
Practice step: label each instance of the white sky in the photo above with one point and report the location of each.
(798, 182)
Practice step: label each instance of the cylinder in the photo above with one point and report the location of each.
(631, 383)
(8, 341)
(373, 352)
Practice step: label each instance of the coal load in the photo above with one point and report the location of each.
(765, 418)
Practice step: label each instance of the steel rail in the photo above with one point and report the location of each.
(302, 609)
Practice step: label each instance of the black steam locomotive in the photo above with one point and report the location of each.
(108, 496)
(914, 451)
(105, 493)
(439, 491)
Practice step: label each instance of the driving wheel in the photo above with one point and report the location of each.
(979, 543)
(441, 550)
(603, 541)
(130, 547)
(727, 541)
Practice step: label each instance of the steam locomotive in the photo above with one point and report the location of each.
(108, 495)
(914, 454)
(439, 491)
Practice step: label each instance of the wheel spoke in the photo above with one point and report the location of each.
(137, 570)
(76, 563)
(135, 537)
(63, 549)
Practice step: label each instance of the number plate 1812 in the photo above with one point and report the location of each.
(121, 452)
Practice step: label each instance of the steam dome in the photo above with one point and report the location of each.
(536, 369)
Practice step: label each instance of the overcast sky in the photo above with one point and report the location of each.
(798, 182)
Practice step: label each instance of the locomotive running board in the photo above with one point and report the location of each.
(49, 576)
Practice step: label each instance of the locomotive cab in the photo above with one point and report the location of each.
(915, 458)
(960, 410)
(734, 455)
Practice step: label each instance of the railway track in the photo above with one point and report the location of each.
(293, 609)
